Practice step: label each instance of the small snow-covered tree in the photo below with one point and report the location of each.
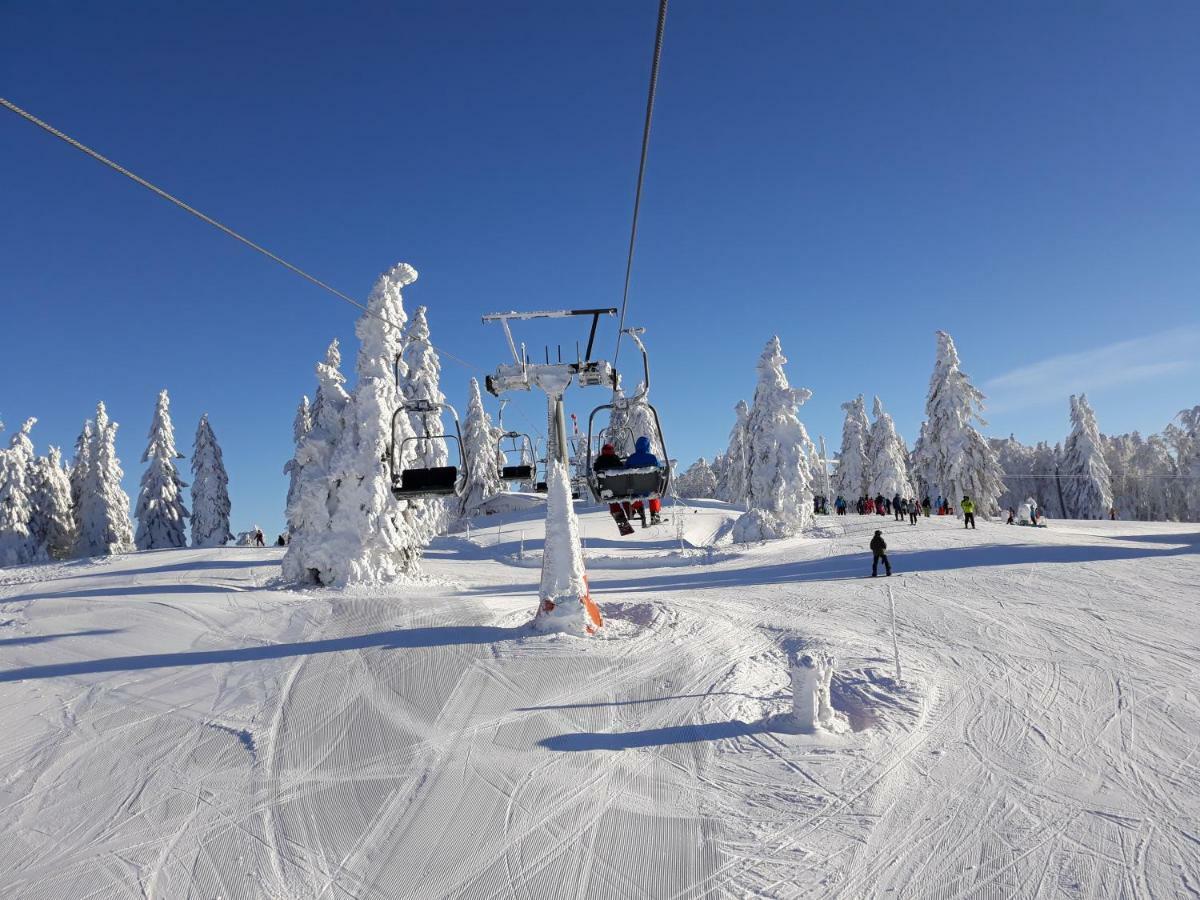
(79, 465)
(850, 477)
(422, 383)
(103, 514)
(210, 490)
(732, 487)
(779, 485)
(619, 432)
(955, 457)
(887, 458)
(642, 424)
(698, 482)
(17, 544)
(483, 482)
(310, 507)
(160, 513)
(301, 426)
(374, 537)
(1085, 476)
(52, 526)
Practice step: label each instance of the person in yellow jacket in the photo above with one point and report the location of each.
(968, 508)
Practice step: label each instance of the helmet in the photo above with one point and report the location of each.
(607, 449)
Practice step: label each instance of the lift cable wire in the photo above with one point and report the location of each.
(213, 222)
(637, 197)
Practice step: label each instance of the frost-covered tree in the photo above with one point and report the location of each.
(954, 456)
(161, 515)
(698, 482)
(850, 477)
(1189, 459)
(422, 383)
(17, 544)
(479, 440)
(779, 485)
(1085, 476)
(619, 432)
(732, 486)
(103, 513)
(887, 454)
(79, 465)
(52, 526)
(210, 489)
(374, 537)
(301, 426)
(641, 423)
(310, 506)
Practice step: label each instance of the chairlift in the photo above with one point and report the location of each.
(522, 444)
(628, 485)
(432, 481)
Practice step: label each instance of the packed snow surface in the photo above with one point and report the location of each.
(178, 724)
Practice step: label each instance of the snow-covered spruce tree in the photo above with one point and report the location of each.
(619, 432)
(160, 513)
(732, 487)
(103, 513)
(210, 489)
(301, 425)
(53, 524)
(955, 457)
(1189, 460)
(888, 458)
(420, 375)
(17, 544)
(1086, 484)
(374, 537)
(850, 476)
(779, 485)
(641, 424)
(699, 482)
(479, 442)
(310, 506)
(79, 465)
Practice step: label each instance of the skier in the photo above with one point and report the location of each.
(258, 538)
(914, 510)
(925, 505)
(607, 460)
(879, 551)
(896, 503)
(1012, 516)
(879, 508)
(642, 458)
(968, 508)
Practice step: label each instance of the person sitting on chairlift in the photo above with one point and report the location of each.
(642, 458)
(606, 461)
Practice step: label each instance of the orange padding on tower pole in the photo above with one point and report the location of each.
(593, 611)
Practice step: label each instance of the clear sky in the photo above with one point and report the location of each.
(850, 176)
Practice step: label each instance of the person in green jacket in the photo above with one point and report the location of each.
(968, 508)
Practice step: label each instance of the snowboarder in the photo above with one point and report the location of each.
(607, 460)
(879, 551)
(642, 458)
(258, 538)
(968, 508)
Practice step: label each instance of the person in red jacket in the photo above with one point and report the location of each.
(608, 459)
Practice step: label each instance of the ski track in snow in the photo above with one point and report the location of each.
(177, 724)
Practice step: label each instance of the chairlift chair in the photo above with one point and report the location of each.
(523, 471)
(433, 481)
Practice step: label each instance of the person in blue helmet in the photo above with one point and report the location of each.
(642, 458)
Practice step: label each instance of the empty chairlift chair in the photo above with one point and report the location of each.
(435, 481)
(522, 444)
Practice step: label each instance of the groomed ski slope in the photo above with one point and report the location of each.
(177, 724)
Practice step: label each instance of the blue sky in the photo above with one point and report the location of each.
(849, 176)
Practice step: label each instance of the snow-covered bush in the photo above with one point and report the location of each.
(103, 512)
(210, 489)
(698, 482)
(52, 526)
(161, 514)
(955, 458)
(850, 477)
(483, 480)
(779, 485)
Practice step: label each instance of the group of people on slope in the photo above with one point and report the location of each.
(640, 458)
(906, 508)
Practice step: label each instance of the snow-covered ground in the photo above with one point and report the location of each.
(177, 724)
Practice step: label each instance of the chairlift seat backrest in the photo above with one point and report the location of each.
(516, 473)
(618, 484)
(437, 481)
